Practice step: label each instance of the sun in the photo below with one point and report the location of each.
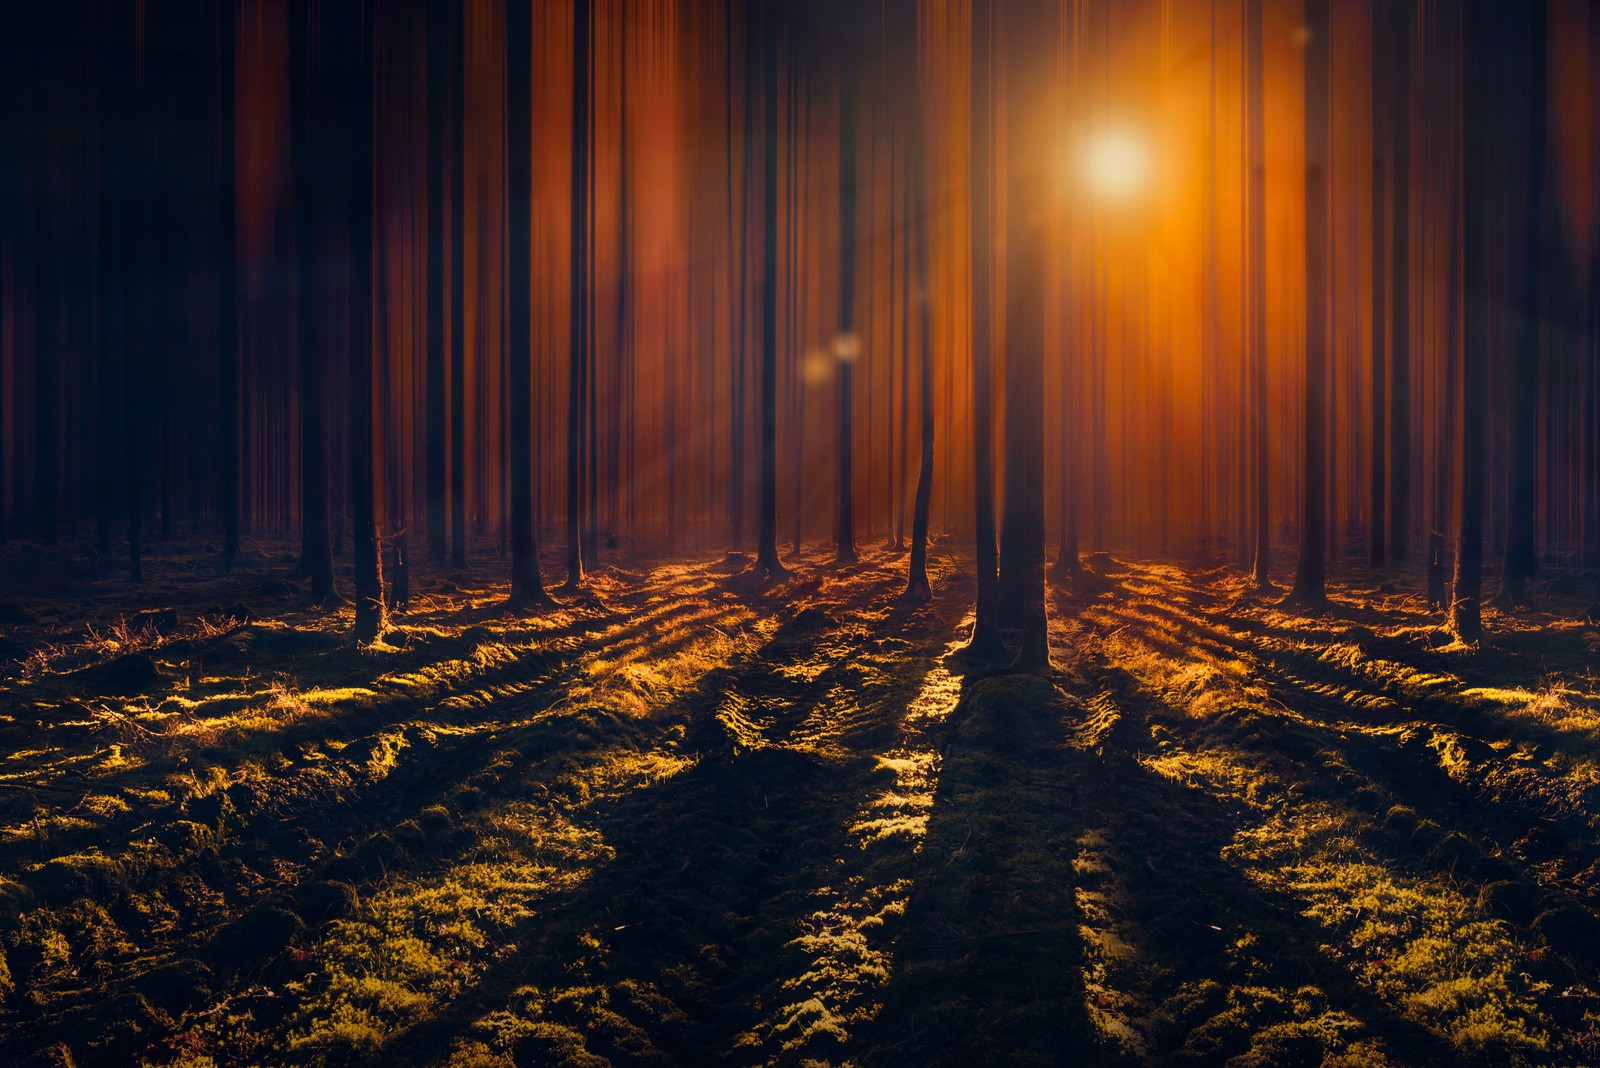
(1115, 163)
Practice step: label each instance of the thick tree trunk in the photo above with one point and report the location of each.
(1478, 97)
(1520, 563)
(578, 314)
(1382, 107)
(985, 641)
(1308, 588)
(434, 402)
(847, 346)
(917, 586)
(458, 295)
(1400, 279)
(313, 311)
(228, 293)
(767, 561)
(527, 588)
(370, 618)
(1030, 96)
(1255, 92)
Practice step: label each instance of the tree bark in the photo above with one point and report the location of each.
(313, 311)
(985, 641)
(847, 346)
(1308, 588)
(1520, 563)
(1400, 279)
(917, 586)
(1255, 92)
(1030, 98)
(527, 588)
(434, 429)
(578, 315)
(370, 618)
(767, 561)
(1382, 107)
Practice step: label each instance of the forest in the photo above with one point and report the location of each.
(799, 532)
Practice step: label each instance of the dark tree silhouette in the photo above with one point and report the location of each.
(985, 639)
(527, 588)
(1382, 108)
(1522, 368)
(578, 333)
(356, 39)
(313, 310)
(434, 403)
(1400, 18)
(227, 288)
(847, 346)
(917, 585)
(767, 561)
(1029, 74)
(1480, 100)
(1308, 588)
(456, 91)
(1257, 258)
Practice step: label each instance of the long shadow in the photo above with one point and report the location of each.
(989, 967)
(678, 946)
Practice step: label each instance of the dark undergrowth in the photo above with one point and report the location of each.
(695, 818)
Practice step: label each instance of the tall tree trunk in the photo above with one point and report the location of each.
(1520, 563)
(1477, 145)
(47, 354)
(767, 561)
(847, 345)
(1255, 92)
(1030, 103)
(1400, 278)
(458, 292)
(1309, 574)
(365, 555)
(917, 585)
(228, 286)
(578, 334)
(434, 429)
(985, 641)
(313, 310)
(1382, 108)
(527, 588)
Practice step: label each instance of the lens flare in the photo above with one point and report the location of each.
(1115, 164)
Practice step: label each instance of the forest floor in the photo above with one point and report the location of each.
(686, 818)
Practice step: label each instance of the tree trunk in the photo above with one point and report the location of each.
(1308, 588)
(767, 561)
(458, 295)
(1382, 108)
(917, 586)
(527, 588)
(577, 328)
(1521, 470)
(1030, 98)
(313, 310)
(1478, 97)
(434, 428)
(985, 641)
(228, 292)
(847, 346)
(1400, 279)
(1258, 295)
(370, 615)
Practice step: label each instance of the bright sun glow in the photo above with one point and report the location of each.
(1115, 163)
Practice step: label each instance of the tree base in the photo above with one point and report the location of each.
(918, 591)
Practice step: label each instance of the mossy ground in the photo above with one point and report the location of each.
(691, 819)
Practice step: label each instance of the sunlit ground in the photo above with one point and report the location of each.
(691, 819)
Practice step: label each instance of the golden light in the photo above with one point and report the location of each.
(1115, 163)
